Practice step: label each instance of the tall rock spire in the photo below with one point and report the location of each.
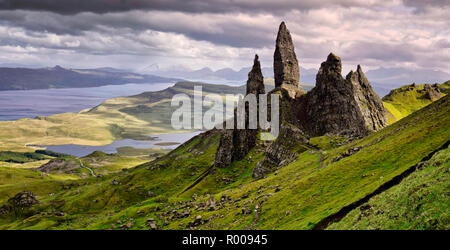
(285, 64)
(255, 82)
(236, 143)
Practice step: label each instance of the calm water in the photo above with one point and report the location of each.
(17, 104)
(82, 150)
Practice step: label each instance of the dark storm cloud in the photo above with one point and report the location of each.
(190, 6)
(223, 30)
(423, 5)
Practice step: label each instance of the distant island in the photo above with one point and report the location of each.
(59, 77)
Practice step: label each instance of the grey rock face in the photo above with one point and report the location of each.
(279, 153)
(342, 106)
(369, 103)
(255, 82)
(337, 106)
(285, 64)
(236, 143)
(224, 153)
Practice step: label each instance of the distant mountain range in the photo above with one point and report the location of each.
(22, 78)
(227, 74)
(59, 77)
(382, 79)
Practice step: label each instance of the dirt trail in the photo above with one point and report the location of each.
(90, 170)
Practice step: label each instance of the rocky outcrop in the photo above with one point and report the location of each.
(62, 166)
(369, 103)
(19, 203)
(236, 143)
(335, 106)
(432, 92)
(341, 106)
(285, 64)
(225, 151)
(282, 151)
(255, 82)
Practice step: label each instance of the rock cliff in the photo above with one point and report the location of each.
(236, 143)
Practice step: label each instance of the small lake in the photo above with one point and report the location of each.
(83, 150)
(17, 104)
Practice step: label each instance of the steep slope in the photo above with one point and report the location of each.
(420, 201)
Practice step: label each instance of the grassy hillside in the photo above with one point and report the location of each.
(403, 101)
(419, 202)
(171, 191)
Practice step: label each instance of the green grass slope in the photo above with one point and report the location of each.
(420, 201)
(403, 101)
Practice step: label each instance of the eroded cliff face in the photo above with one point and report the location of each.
(236, 143)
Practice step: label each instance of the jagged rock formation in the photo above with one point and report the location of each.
(285, 64)
(335, 106)
(236, 143)
(369, 103)
(225, 151)
(255, 82)
(342, 106)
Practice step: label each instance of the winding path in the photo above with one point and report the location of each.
(83, 166)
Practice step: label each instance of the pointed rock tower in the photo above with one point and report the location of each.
(285, 64)
(236, 143)
(369, 103)
(255, 82)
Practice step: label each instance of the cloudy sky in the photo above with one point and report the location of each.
(139, 34)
